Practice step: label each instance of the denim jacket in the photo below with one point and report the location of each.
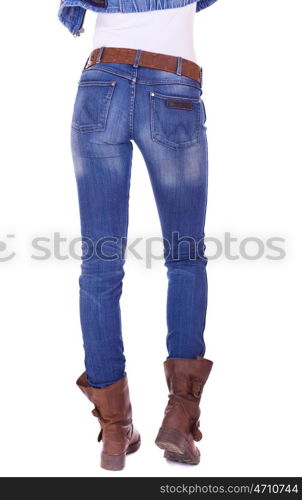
(72, 12)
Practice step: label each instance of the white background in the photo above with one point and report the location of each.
(251, 410)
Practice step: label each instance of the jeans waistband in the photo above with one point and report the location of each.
(138, 57)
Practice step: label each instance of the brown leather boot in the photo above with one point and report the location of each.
(112, 407)
(180, 428)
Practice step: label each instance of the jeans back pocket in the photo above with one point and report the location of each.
(92, 105)
(175, 121)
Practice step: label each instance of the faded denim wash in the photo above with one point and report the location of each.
(116, 104)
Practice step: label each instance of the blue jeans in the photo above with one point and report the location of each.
(164, 114)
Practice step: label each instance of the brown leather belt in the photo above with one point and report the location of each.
(147, 59)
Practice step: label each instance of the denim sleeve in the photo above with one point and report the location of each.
(71, 17)
(72, 12)
(202, 4)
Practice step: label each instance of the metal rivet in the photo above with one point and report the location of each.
(113, 83)
(152, 94)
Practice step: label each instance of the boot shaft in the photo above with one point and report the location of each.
(187, 377)
(112, 407)
(112, 403)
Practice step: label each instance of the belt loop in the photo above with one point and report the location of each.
(137, 58)
(98, 59)
(179, 65)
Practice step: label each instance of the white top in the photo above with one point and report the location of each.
(166, 31)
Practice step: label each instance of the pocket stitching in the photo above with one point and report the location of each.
(165, 96)
(102, 117)
(173, 145)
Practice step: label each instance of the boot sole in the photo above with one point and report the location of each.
(176, 446)
(171, 440)
(118, 462)
(185, 458)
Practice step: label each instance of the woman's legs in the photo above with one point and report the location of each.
(179, 178)
(103, 187)
(164, 115)
(175, 151)
(102, 156)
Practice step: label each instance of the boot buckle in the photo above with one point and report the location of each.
(196, 388)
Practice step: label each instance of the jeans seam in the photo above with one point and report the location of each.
(141, 81)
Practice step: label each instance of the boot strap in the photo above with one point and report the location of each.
(100, 436)
(197, 434)
(95, 412)
(197, 388)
